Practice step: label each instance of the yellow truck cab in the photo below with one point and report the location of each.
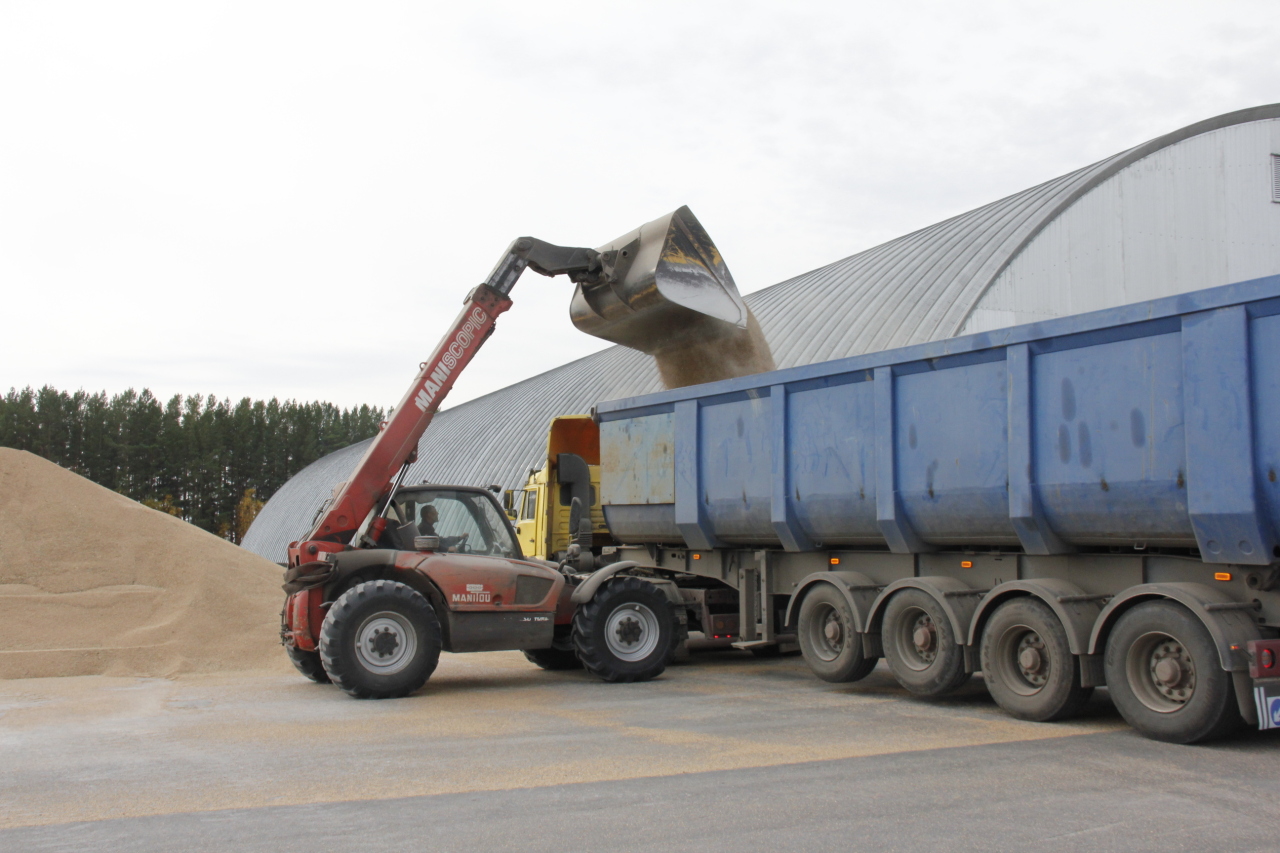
(540, 511)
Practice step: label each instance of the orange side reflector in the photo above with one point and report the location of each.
(966, 564)
(1222, 576)
(697, 556)
(835, 561)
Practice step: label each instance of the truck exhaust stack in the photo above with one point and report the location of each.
(666, 291)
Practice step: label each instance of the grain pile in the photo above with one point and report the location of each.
(94, 583)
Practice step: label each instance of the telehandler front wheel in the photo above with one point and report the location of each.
(380, 640)
(627, 632)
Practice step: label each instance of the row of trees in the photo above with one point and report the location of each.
(211, 462)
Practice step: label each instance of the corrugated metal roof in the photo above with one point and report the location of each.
(917, 288)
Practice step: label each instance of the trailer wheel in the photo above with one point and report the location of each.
(1165, 677)
(626, 632)
(831, 647)
(308, 663)
(380, 640)
(919, 645)
(1028, 665)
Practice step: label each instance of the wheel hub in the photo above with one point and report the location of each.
(629, 631)
(632, 632)
(1161, 672)
(924, 636)
(384, 642)
(832, 630)
(1172, 671)
(1032, 661)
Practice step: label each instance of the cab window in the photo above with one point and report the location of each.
(466, 522)
(530, 508)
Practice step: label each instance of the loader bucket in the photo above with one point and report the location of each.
(666, 291)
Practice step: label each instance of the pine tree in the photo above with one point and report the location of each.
(208, 461)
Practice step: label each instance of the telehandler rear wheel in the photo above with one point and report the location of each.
(308, 663)
(380, 640)
(627, 632)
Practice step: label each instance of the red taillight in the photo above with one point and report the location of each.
(1264, 658)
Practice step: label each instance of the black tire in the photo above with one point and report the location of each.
(561, 656)
(1027, 662)
(774, 650)
(1165, 676)
(380, 640)
(628, 631)
(920, 646)
(308, 663)
(828, 641)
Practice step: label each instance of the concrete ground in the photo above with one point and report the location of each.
(726, 751)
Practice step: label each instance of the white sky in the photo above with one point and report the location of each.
(291, 199)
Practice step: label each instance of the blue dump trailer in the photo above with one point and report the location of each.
(1087, 501)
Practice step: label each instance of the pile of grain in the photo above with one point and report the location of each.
(94, 583)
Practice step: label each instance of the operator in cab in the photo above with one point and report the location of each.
(427, 527)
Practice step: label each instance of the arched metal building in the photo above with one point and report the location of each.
(1195, 208)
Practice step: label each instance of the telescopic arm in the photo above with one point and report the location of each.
(397, 442)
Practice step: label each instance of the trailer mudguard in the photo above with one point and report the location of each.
(1076, 610)
(859, 593)
(957, 599)
(1231, 623)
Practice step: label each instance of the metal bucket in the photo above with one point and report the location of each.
(665, 290)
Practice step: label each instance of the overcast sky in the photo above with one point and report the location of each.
(291, 199)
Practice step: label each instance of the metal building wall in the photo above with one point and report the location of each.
(920, 287)
(1195, 214)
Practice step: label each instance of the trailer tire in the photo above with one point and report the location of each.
(380, 640)
(1165, 677)
(828, 641)
(627, 632)
(307, 663)
(1028, 665)
(920, 646)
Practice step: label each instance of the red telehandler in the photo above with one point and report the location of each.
(391, 575)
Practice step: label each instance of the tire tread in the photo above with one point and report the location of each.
(335, 623)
